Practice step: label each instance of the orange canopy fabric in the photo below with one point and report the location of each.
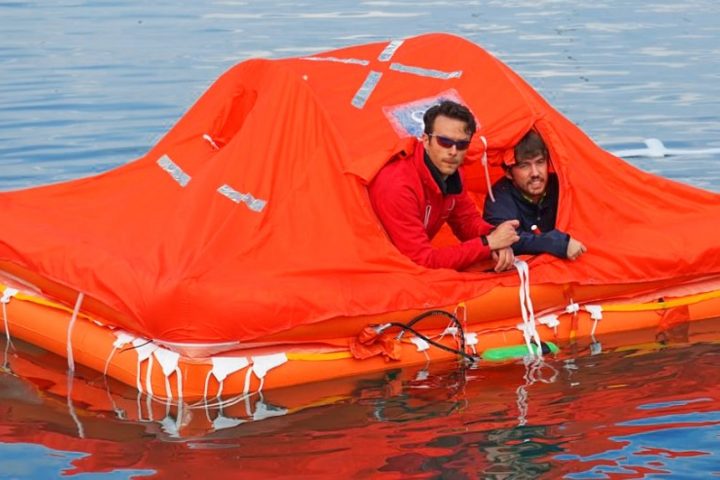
(251, 215)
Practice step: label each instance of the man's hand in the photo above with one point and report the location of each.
(504, 259)
(504, 235)
(574, 249)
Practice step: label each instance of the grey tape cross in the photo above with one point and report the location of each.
(373, 78)
(254, 204)
(174, 170)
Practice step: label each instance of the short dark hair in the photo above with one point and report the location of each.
(531, 145)
(450, 109)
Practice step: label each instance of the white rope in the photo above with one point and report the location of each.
(78, 303)
(170, 363)
(122, 339)
(530, 333)
(138, 383)
(107, 362)
(487, 170)
(220, 390)
(246, 392)
(148, 376)
(8, 293)
(596, 315)
(144, 350)
(210, 140)
(168, 390)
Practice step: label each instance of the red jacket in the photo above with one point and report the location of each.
(412, 208)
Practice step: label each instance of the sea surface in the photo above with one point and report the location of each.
(88, 86)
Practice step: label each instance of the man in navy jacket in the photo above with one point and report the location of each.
(529, 193)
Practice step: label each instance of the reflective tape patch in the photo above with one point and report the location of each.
(425, 72)
(389, 51)
(352, 61)
(366, 89)
(407, 118)
(254, 204)
(174, 170)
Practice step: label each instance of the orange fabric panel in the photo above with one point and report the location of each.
(189, 263)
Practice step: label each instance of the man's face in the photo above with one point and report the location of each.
(446, 131)
(529, 175)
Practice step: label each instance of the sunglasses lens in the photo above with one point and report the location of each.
(445, 142)
(448, 143)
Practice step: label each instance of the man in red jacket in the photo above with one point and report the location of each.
(414, 196)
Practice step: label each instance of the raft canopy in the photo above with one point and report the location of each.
(251, 216)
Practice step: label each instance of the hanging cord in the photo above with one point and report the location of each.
(530, 333)
(8, 293)
(78, 304)
(487, 171)
(409, 328)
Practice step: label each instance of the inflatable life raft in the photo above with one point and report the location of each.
(241, 252)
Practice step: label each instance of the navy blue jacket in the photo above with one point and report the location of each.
(511, 204)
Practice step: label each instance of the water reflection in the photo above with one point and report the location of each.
(609, 414)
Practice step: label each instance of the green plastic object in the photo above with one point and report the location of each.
(500, 354)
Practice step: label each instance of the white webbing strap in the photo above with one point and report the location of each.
(471, 339)
(76, 310)
(572, 307)
(8, 293)
(169, 362)
(530, 333)
(246, 392)
(550, 321)
(596, 315)
(148, 377)
(485, 167)
(264, 363)
(123, 338)
(221, 368)
(144, 350)
(260, 366)
(422, 345)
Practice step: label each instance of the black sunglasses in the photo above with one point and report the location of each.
(449, 142)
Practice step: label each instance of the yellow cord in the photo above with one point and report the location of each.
(676, 302)
(42, 301)
(318, 357)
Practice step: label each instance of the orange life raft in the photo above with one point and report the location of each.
(241, 251)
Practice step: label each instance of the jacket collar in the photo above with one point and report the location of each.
(432, 177)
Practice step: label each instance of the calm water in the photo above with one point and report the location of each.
(86, 86)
